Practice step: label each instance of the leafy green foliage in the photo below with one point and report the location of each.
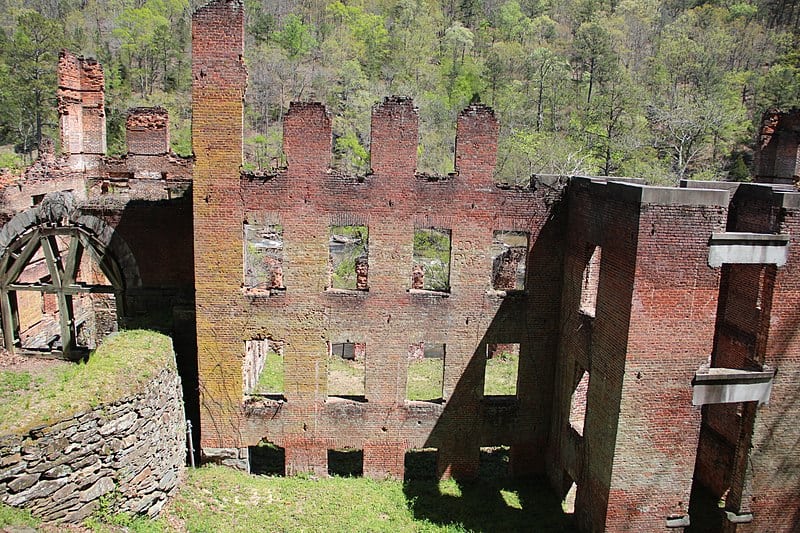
(659, 90)
(432, 254)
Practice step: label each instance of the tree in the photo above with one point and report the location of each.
(27, 101)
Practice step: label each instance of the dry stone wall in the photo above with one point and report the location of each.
(130, 453)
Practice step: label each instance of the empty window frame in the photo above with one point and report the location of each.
(347, 369)
(267, 459)
(502, 369)
(348, 258)
(577, 404)
(509, 255)
(420, 464)
(346, 462)
(590, 281)
(263, 369)
(263, 257)
(431, 260)
(425, 372)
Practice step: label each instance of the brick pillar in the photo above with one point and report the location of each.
(394, 137)
(305, 456)
(219, 79)
(81, 100)
(307, 139)
(459, 460)
(384, 460)
(777, 158)
(477, 130)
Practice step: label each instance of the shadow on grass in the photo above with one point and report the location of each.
(494, 502)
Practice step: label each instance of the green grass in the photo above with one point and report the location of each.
(425, 379)
(10, 516)
(220, 500)
(271, 379)
(501, 375)
(114, 370)
(345, 377)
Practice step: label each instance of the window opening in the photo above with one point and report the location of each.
(346, 462)
(425, 372)
(420, 464)
(263, 369)
(494, 462)
(348, 258)
(263, 257)
(502, 368)
(267, 459)
(509, 255)
(347, 369)
(590, 282)
(431, 260)
(577, 404)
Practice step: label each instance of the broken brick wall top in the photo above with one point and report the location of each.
(147, 130)
(777, 158)
(81, 108)
(307, 141)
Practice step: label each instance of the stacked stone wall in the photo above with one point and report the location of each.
(129, 453)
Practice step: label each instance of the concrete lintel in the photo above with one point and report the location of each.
(748, 249)
(730, 186)
(644, 194)
(679, 521)
(780, 195)
(729, 385)
(736, 518)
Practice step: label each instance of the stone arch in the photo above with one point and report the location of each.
(57, 254)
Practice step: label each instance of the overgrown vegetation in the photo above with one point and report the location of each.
(11, 516)
(659, 90)
(348, 245)
(432, 255)
(117, 367)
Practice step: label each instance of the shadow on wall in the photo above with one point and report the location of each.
(160, 236)
(483, 495)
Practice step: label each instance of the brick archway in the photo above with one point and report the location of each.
(57, 268)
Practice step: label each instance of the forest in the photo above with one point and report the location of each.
(640, 88)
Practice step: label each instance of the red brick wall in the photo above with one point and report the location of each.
(217, 91)
(764, 475)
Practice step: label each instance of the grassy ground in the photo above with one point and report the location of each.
(219, 500)
(501, 375)
(345, 377)
(425, 379)
(31, 397)
(271, 379)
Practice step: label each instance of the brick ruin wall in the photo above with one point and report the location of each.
(132, 450)
(639, 323)
(653, 326)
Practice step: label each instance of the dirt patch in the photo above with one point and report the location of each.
(26, 363)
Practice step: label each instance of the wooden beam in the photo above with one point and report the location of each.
(71, 289)
(8, 321)
(51, 260)
(22, 260)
